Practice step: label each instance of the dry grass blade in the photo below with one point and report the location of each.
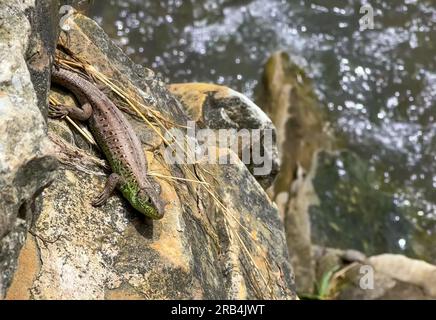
(174, 178)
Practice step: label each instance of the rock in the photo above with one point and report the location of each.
(352, 255)
(296, 207)
(41, 47)
(218, 107)
(386, 276)
(287, 95)
(220, 238)
(25, 162)
(401, 268)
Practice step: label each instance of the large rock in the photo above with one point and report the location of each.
(287, 95)
(218, 107)
(26, 42)
(223, 240)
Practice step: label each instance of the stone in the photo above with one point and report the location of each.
(26, 165)
(407, 270)
(218, 107)
(287, 96)
(220, 238)
(380, 277)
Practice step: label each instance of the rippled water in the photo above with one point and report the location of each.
(379, 86)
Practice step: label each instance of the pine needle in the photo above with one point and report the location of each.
(174, 178)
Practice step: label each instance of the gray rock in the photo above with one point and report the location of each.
(25, 164)
(218, 107)
(40, 51)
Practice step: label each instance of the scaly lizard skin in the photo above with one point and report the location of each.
(118, 141)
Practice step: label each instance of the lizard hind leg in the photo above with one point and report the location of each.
(61, 111)
(111, 184)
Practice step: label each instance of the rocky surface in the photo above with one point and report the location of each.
(25, 164)
(386, 276)
(220, 239)
(218, 107)
(287, 95)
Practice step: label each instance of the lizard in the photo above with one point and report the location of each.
(116, 138)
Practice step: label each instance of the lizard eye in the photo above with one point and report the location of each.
(144, 196)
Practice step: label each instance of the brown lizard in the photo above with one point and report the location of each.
(118, 141)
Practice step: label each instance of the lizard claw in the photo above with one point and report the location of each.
(57, 111)
(99, 200)
(111, 184)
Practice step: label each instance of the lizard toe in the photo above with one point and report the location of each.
(97, 202)
(55, 111)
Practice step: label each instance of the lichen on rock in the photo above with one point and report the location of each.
(218, 107)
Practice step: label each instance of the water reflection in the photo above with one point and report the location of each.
(379, 86)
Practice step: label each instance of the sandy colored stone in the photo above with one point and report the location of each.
(28, 268)
(287, 95)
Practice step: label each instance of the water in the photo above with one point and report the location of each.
(378, 86)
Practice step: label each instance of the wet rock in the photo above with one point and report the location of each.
(218, 107)
(287, 95)
(219, 239)
(25, 164)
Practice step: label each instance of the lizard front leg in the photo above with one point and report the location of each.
(111, 184)
(61, 111)
(83, 114)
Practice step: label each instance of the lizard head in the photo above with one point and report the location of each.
(149, 203)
